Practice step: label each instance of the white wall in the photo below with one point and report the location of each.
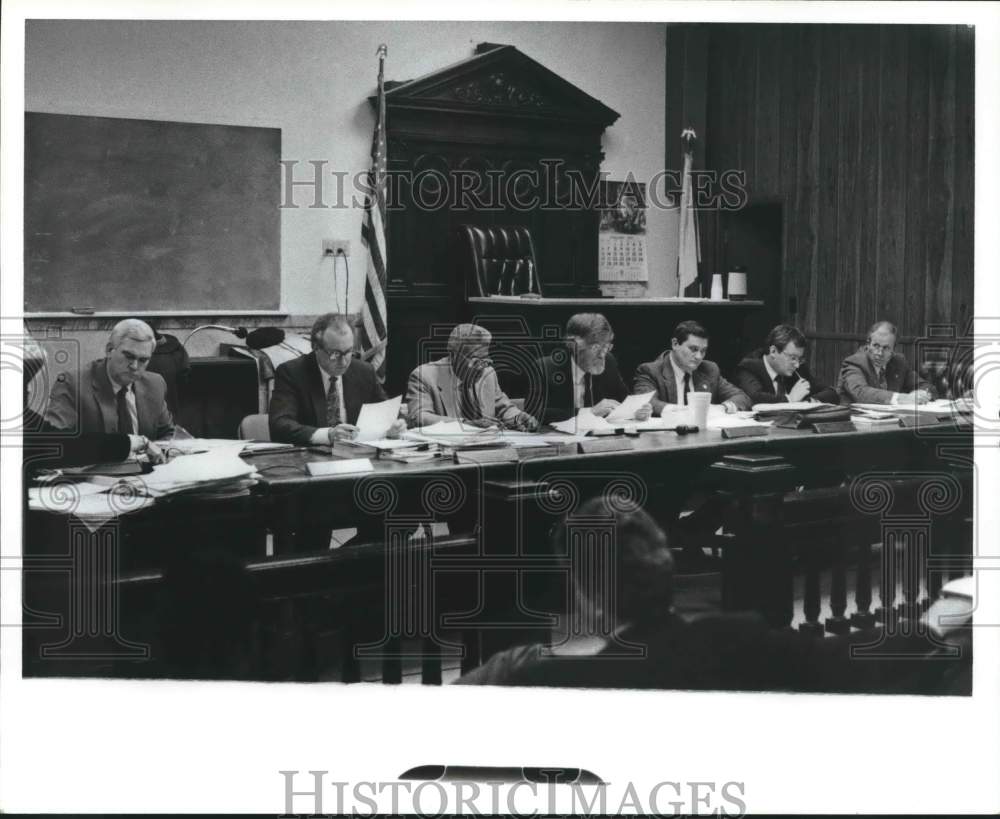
(312, 80)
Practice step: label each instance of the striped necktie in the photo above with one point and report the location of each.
(882, 383)
(333, 403)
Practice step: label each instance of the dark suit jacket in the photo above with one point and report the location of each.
(559, 387)
(730, 651)
(752, 377)
(46, 447)
(86, 404)
(298, 402)
(659, 376)
(857, 380)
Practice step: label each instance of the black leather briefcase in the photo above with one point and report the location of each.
(803, 419)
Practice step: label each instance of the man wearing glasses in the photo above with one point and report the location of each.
(116, 394)
(878, 375)
(585, 374)
(317, 398)
(777, 373)
(464, 385)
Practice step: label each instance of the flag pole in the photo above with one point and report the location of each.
(374, 310)
(688, 233)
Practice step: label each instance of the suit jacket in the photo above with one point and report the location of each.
(434, 388)
(86, 403)
(659, 376)
(857, 381)
(559, 387)
(298, 402)
(752, 377)
(727, 651)
(45, 447)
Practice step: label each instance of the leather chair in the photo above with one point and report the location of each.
(498, 261)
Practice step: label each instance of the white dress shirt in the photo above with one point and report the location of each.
(774, 377)
(137, 442)
(322, 434)
(579, 385)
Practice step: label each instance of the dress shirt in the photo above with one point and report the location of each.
(774, 378)
(137, 443)
(322, 435)
(679, 380)
(579, 385)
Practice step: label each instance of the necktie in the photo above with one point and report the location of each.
(124, 418)
(779, 387)
(333, 403)
(882, 384)
(687, 386)
(588, 391)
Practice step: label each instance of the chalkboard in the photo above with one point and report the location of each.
(141, 215)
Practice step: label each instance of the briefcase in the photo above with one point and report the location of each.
(804, 419)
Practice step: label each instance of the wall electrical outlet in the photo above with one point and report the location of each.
(334, 247)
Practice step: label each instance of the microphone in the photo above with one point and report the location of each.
(263, 337)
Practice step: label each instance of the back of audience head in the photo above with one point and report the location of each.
(643, 563)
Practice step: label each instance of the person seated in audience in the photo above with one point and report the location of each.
(633, 638)
(463, 385)
(317, 397)
(777, 373)
(45, 447)
(878, 375)
(683, 369)
(115, 394)
(586, 375)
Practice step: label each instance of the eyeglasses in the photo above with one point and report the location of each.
(600, 348)
(793, 357)
(339, 356)
(880, 348)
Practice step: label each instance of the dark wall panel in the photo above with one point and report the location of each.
(866, 135)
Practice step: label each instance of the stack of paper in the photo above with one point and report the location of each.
(456, 435)
(214, 473)
(92, 502)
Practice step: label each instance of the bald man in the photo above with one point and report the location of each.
(116, 393)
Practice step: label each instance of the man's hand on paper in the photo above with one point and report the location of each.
(398, 428)
(343, 432)
(605, 407)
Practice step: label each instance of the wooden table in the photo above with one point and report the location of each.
(501, 560)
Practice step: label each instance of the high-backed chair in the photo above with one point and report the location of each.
(498, 261)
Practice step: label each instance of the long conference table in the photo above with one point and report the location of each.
(495, 575)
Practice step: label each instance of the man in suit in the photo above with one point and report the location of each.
(463, 385)
(683, 369)
(777, 373)
(317, 398)
(116, 394)
(877, 375)
(585, 374)
(45, 447)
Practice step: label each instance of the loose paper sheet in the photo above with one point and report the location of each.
(627, 409)
(374, 420)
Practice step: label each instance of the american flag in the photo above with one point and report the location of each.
(688, 251)
(374, 315)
